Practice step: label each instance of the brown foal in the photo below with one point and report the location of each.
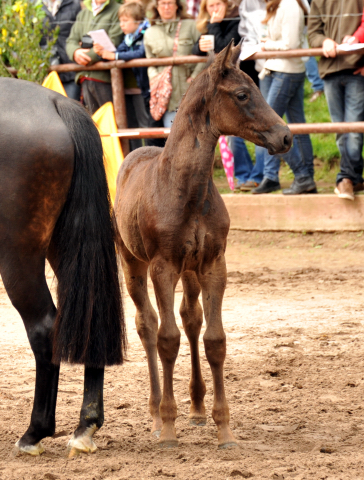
(173, 220)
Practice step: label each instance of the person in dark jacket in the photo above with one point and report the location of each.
(211, 21)
(62, 14)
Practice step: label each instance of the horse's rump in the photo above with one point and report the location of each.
(54, 187)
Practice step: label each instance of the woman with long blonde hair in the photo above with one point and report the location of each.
(282, 81)
(219, 18)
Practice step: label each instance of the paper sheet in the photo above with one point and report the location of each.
(345, 47)
(103, 39)
(249, 50)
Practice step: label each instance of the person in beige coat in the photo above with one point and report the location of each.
(282, 82)
(158, 41)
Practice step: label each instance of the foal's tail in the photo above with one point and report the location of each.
(90, 326)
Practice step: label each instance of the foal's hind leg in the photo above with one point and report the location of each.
(192, 317)
(26, 286)
(213, 283)
(146, 320)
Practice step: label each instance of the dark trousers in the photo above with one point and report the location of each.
(95, 94)
(72, 89)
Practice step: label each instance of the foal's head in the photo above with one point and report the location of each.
(235, 105)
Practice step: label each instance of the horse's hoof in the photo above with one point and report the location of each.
(83, 443)
(34, 450)
(228, 445)
(157, 433)
(198, 422)
(168, 443)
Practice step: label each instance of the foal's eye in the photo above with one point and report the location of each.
(242, 96)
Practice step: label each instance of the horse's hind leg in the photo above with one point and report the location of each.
(26, 286)
(146, 320)
(92, 413)
(213, 283)
(192, 317)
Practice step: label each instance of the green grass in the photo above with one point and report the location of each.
(324, 147)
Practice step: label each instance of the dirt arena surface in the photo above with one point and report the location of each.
(294, 377)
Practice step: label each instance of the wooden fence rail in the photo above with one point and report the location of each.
(117, 84)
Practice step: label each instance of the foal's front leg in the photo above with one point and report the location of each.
(213, 283)
(92, 413)
(164, 280)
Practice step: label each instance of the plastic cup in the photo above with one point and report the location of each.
(212, 40)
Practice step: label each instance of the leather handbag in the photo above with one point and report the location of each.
(161, 86)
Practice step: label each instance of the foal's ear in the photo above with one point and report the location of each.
(222, 61)
(235, 54)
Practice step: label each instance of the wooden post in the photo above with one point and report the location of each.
(117, 84)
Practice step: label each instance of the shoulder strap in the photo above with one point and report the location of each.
(175, 45)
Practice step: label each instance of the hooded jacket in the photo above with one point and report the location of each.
(136, 50)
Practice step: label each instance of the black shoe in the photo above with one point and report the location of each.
(267, 186)
(301, 185)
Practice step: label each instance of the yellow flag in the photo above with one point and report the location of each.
(105, 120)
(53, 82)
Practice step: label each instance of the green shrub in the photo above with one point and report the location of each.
(21, 30)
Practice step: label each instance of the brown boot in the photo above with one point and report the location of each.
(345, 189)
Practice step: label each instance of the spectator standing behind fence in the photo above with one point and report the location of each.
(133, 24)
(252, 13)
(282, 87)
(158, 41)
(97, 14)
(219, 18)
(62, 14)
(344, 90)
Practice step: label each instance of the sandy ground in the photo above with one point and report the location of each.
(294, 377)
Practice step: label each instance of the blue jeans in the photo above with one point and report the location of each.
(244, 170)
(284, 93)
(313, 76)
(345, 97)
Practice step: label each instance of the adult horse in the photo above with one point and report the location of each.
(55, 205)
(172, 219)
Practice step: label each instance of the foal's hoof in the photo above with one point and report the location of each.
(157, 427)
(82, 443)
(198, 421)
(168, 443)
(228, 445)
(34, 450)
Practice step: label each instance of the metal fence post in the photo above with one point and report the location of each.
(117, 84)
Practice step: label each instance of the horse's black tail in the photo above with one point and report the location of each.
(90, 326)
